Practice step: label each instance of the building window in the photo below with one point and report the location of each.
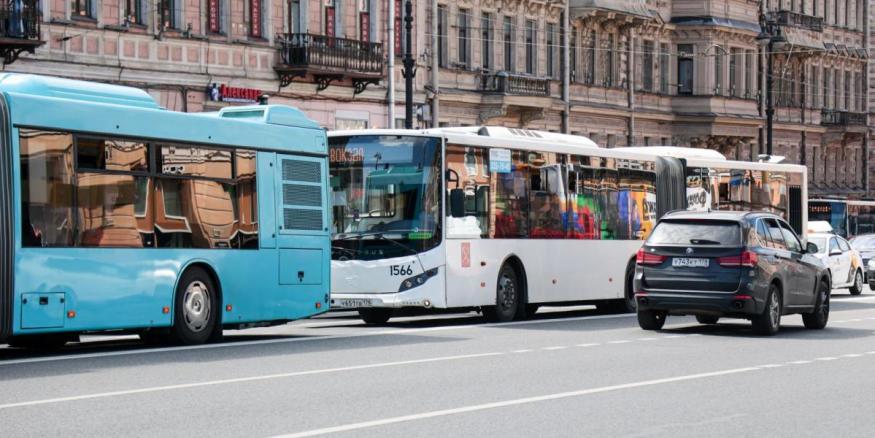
(134, 12)
(647, 66)
(486, 40)
(607, 60)
(589, 59)
(827, 88)
(166, 13)
(365, 20)
(82, 9)
(663, 68)
(464, 37)
(573, 55)
(860, 93)
(294, 16)
(508, 44)
(685, 69)
(443, 59)
(718, 71)
(750, 73)
(736, 62)
(551, 50)
(531, 46)
(847, 90)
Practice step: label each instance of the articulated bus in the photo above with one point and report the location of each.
(118, 215)
(505, 220)
(848, 218)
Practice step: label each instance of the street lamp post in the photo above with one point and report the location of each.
(409, 66)
(770, 34)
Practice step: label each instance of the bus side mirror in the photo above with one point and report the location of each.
(457, 203)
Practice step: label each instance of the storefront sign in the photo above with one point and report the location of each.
(398, 30)
(499, 160)
(224, 93)
(255, 15)
(365, 24)
(213, 6)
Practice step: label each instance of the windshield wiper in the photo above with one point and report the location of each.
(704, 242)
(380, 235)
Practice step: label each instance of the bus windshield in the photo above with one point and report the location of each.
(385, 195)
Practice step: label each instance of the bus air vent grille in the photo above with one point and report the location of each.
(304, 171)
(302, 219)
(299, 194)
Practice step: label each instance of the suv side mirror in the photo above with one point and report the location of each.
(457, 203)
(811, 248)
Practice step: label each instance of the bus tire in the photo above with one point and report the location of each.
(375, 316)
(195, 308)
(507, 296)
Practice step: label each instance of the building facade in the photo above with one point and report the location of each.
(639, 72)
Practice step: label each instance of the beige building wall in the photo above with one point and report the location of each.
(641, 72)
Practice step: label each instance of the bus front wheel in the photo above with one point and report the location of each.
(507, 297)
(194, 319)
(375, 316)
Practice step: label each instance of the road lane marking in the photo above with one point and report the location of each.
(799, 362)
(825, 359)
(558, 347)
(594, 344)
(506, 403)
(526, 400)
(521, 351)
(393, 332)
(625, 341)
(243, 380)
(646, 339)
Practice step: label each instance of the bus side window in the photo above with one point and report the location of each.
(467, 187)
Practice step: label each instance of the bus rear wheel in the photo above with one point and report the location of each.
(375, 316)
(507, 297)
(194, 317)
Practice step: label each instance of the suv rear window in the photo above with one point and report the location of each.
(696, 233)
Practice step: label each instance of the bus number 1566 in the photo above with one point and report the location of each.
(396, 270)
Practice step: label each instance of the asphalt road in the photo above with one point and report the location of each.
(566, 373)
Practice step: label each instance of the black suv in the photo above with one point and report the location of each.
(729, 264)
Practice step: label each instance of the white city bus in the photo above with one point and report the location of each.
(505, 220)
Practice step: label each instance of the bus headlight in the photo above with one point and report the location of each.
(417, 280)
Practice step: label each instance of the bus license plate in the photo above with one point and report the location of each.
(686, 262)
(353, 303)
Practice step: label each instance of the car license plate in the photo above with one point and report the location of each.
(686, 262)
(352, 303)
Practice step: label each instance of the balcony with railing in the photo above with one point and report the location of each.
(19, 28)
(842, 118)
(514, 84)
(329, 59)
(797, 19)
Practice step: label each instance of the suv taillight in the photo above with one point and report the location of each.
(747, 259)
(645, 258)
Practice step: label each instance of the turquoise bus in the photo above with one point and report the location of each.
(117, 215)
